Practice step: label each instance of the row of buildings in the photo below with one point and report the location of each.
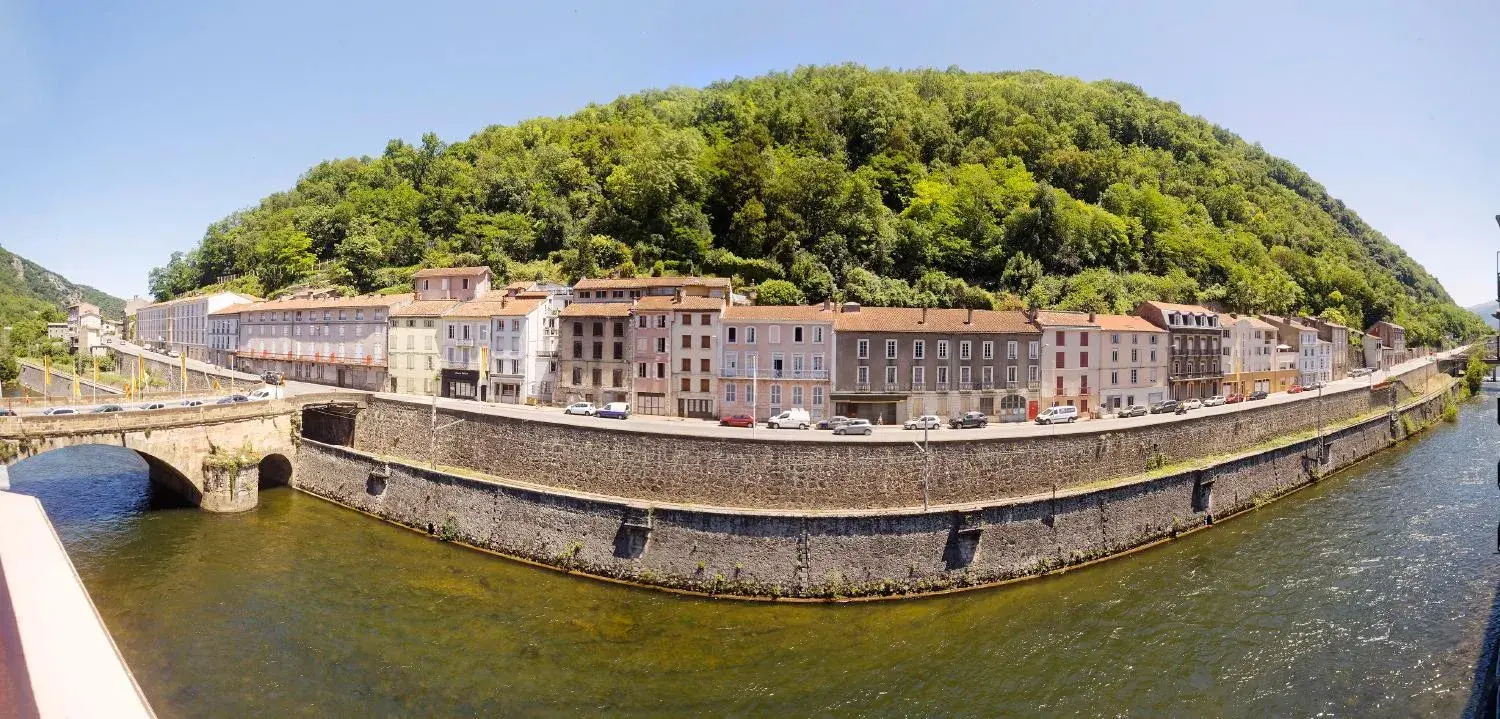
(684, 346)
(86, 330)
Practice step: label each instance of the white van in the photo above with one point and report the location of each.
(1060, 413)
(795, 418)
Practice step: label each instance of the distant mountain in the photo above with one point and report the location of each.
(28, 290)
(1487, 311)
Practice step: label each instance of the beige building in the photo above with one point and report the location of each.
(594, 364)
(1133, 366)
(1070, 359)
(181, 325)
(415, 349)
(1250, 360)
(338, 341)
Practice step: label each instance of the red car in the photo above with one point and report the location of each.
(1235, 398)
(1296, 388)
(737, 420)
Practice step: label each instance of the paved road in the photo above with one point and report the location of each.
(192, 364)
(700, 428)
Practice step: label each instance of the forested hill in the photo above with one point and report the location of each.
(943, 188)
(30, 291)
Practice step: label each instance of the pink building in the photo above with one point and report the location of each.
(776, 358)
(652, 389)
(1070, 359)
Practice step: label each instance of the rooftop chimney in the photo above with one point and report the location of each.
(969, 319)
(923, 321)
(827, 305)
(677, 295)
(1092, 315)
(850, 307)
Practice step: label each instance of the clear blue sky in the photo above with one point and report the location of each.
(127, 131)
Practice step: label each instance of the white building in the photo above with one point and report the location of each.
(182, 324)
(329, 340)
(523, 351)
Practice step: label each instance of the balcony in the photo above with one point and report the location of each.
(919, 386)
(813, 374)
(893, 386)
(861, 386)
(940, 387)
(965, 386)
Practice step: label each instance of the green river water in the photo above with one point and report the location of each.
(1368, 595)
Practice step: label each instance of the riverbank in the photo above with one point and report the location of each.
(836, 554)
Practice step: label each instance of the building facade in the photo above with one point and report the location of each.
(181, 325)
(224, 335)
(695, 351)
(652, 330)
(523, 351)
(451, 283)
(626, 289)
(339, 341)
(776, 358)
(594, 364)
(1195, 337)
(1133, 367)
(85, 333)
(895, 363)
(1249, 355)
(414, 347)
(1070, 359)
(1338, 336)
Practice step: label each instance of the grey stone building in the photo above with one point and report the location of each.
(1195, 336)
(895, 363)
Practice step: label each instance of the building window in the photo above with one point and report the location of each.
(918, 375)
(817, 333)
(890, 349)
(942, 374)
(817, 396)
(1083, 339)
(687, 341)
(919, 349)
(687, 365)
(775, 331)
(862, 374)
(862, 349)
(797, 337)
(890, 376)
(1114, 378)
(731, 331)
(1062, 360)
(704, 341)
(1034, 350)
(729, 392)
(1083, 359)
(942, 349)
(965, 349)
(617, 378)
(1059, 384)
(687, 319)
(797, 396)
(640, 369)
(749, 335)
(703, 386)
(1134, 376)
(705, 320)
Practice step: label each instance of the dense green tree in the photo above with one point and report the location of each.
(884, 187)
(778, 292)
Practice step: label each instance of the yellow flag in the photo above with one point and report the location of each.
(46, 375)
(77, 388)
(96, 370)
(182, 360)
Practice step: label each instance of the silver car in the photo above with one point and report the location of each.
(855, 426)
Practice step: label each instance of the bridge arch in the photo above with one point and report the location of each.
(275, 470)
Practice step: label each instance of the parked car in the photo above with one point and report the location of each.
(1258, 394)
(1060, 413)
(174, 354)
(1216, 401)
(855, 426)
(54, 411)
(833, 422)
(1296, 389)
(615, 410)
(154, 405)
(1192, 404)
(737, 420)
(273, 392)
(108, 408)
(1360, 371)
(584, 408)
(970, 420)
(273, 378)
(1134, 410)
(1315, 386)
(234, 399)
(794, 418)
(1165, 407)
(8, 413)
(1235, 398)
(926, 421)
(192, 403)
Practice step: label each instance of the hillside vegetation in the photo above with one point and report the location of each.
(940, 188)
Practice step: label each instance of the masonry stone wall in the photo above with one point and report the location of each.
(778, 471)
(829, 554)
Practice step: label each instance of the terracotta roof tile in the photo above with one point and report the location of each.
(780, 312)
(494, 308)
(1126, 323)
(620, 283)
(1171, 307)
(597, 309)
(658, 303)
(425, 308)
(909, 319)
(1063, 318)
(451, 272)
(387, 301)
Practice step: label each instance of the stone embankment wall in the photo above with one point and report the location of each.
(830, 554)
(777, 472)
(171, 373)
(32, 378)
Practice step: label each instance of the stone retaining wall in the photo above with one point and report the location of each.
(769, 553)
(863, 473)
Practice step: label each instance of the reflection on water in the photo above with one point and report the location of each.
(1367, 595)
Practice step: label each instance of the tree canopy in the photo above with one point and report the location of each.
(925, 187)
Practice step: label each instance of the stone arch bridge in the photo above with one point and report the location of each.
(216, 456)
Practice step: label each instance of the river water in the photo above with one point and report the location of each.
(1367, 595)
